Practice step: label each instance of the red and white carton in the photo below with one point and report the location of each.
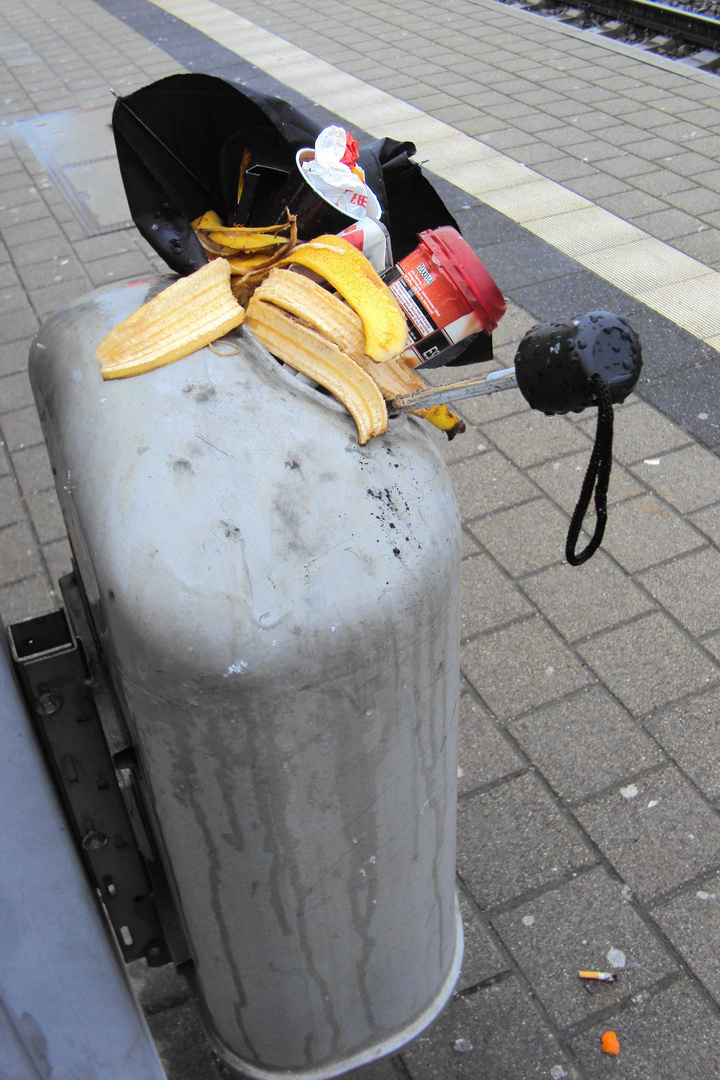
(373, 240)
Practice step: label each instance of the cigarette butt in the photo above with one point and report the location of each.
(601, 976)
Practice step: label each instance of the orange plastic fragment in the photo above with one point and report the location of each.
(610, 1043)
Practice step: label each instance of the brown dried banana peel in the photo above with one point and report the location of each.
(186, 316)
(323, 310)
(339, 323)
(310, 353)
(352, 275)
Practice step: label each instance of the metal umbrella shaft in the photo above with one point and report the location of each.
(504, 379)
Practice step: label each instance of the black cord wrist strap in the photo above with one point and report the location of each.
(597, 477)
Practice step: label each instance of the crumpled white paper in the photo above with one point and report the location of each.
(337, 182)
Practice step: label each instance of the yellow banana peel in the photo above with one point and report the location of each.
(189, 314)
(305, 349)
(208, 220)
(441, 417)
(336, 321)
(352, 275)
(238, 239)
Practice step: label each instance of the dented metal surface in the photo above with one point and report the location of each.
(281, 609)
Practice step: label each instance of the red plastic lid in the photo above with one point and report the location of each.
(454, 256)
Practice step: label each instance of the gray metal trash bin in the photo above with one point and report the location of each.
(278, 607)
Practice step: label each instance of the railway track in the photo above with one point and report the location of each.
(689, 32)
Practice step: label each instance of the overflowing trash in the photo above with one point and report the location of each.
(344, 263)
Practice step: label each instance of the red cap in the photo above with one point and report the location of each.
(455, 258)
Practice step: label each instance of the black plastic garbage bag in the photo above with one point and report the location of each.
(180, 144)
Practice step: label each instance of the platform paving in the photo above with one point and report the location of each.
(589, 831)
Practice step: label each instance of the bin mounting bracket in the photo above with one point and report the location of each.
(98, 790)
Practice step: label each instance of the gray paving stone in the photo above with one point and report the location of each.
(656, 831)
(12, 509)
(22, 428)
(661, 182)
(528, 438)
(182, 1046)
(482, 956)
(26, 599)
(625, 166)
(73, 230)
(386, 1069)
(157, 988)
(18, 554)
(689, 163)
(54, 271)
(14, 326)
(524, 538)
(666, 224)
(579, 601)
(522, 666)
(46, 516)
(488, 482)
(489, 599)
(703, 246)
(597, 186)
(632, 205)
(639, 432)
(696, 202)
(562, 480)
(688, 478)
(566, 169)
(508, 1035)
(621, 134)
(15, 392)
(709, 521)
(644, 531)
(42, 250)
(513, 325)
(649, 663)
(33, 469)
(582, 926)
(32, 210)
(687, 588)
(584, 743)
(24, 194)
(18, 237)
(653, 148)
(513, 839)
(58, 560)
(690, 732)
(674, 1034)
(8, 275)
(484, 754)
(54, 297)
(470, 545)
(692, 923)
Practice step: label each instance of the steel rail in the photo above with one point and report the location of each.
(672, 21)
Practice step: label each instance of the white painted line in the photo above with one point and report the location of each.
(641, 266)
(530, 202)
(587, 231)
(697, 305)
(682, 289)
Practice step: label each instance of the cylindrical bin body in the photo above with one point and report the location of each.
(279, 610)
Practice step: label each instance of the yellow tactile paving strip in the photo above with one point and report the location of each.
(677, 286)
